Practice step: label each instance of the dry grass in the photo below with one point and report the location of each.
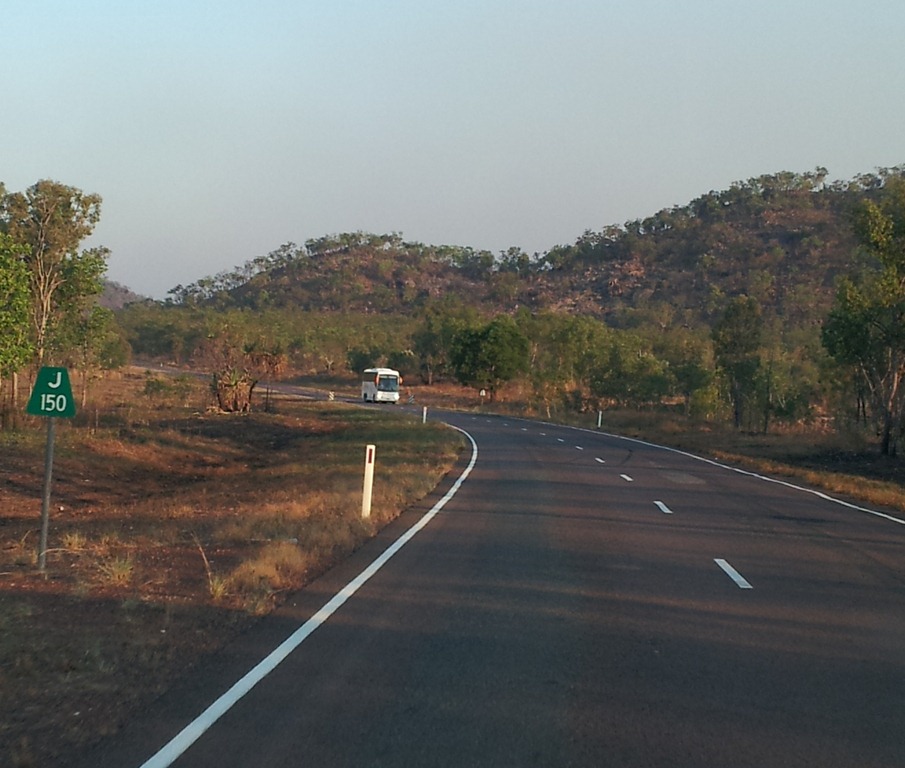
(846, 463)
(117, 571)
(881, 493)
(171, 529)
(277, 567)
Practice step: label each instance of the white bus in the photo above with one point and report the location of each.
(380, 385)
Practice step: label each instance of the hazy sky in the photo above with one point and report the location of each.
(216, 131)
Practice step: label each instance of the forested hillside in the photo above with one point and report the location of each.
(717, 305)
(782, 239)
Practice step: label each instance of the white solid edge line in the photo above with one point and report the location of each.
(733, 574)
(194, 730)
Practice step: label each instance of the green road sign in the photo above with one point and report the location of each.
(52, 395)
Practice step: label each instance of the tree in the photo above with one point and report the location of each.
(564, 351)
(630, 373)
(15, 347)
(489, 355)
(237, 364)
(515, 260)
(404, 361)
(266, 360)
(15, 343)
(866, 327)
(686, 351)
(51, 220)
(93, 342)
(433, 342)
(79, 326)
(232, 380)
(736, 347)
(358, 359)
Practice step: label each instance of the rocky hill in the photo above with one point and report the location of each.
(782, 238)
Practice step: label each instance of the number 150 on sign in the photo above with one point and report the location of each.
(54, 403)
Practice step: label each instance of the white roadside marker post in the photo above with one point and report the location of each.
(424, 415)
(368, 482)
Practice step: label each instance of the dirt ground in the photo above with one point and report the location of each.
(112, 620)
(153, 507)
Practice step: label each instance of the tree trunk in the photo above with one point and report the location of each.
(886, 443)
(737, 404)
(86, 375)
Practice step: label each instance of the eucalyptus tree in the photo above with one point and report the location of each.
(564, 350)
(51, 220)
(433, 340)
(486, 356)
(630, 373)
(736, 346)
(15, 340)
(866, 327)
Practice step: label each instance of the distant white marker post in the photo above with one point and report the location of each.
(368, 482)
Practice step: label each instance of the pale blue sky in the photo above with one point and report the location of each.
(216, 131)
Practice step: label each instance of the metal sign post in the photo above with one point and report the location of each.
(51, 397)
(45, 498)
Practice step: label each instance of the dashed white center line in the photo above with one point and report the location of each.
(579, 448)
(733, 574)
(599, 460)
(560, 440)
(627, 478)
(663, 508)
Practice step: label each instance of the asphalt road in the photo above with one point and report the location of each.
(582, 600)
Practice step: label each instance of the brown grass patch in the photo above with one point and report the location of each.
(845, 463)
(171, 529)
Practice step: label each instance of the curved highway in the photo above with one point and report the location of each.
(579, 600)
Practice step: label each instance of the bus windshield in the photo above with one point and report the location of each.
(386, 383)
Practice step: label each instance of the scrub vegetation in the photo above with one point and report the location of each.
(771, 305)
(173, 527)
